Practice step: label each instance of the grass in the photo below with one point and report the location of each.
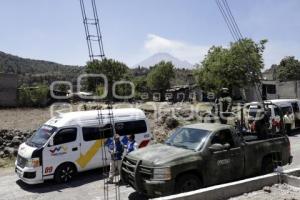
(7, 162)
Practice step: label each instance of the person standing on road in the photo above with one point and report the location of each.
(116, 150)
(131, 145)
(287, 118)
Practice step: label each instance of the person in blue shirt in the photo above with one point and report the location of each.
(131, 145)
(116, 150)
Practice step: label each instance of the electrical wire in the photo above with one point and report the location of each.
(238, 37)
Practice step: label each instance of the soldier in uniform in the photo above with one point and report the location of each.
(223, 104)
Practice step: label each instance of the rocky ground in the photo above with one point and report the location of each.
(10, 141)
(278, 192)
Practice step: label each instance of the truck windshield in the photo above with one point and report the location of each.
(41, 136)
(188, 138)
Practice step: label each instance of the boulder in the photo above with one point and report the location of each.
(10, 144)
(17, 140)
(2, 154)
(8, 150)
(171, 122)
(9, 136)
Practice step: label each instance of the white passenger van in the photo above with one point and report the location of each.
(75, 142)
(292, 105)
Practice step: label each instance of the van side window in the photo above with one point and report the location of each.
(96, 133)
(295, 107)
(132, 127)
(276, 111)
(65, 136)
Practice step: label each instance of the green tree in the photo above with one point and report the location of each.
(160, 76)
(33, 96)
(288, 69)
(239, 65)
(112, 69)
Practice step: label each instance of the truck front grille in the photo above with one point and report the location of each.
(146, 172)
(21, 162)
(129, 168)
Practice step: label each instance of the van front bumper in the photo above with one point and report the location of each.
(30, 175)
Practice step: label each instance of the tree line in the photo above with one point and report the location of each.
(239, 64)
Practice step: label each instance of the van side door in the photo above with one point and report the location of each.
(94, 151)
(65, 148)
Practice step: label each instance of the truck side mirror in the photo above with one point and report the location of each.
(216, 147)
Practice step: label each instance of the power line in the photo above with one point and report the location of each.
(238, 37)
(232, 19)
(226, 20)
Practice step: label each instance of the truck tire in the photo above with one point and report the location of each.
(65, 173)
(187, 182)
(267, 165)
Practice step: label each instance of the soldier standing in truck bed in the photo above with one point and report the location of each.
(224, 104)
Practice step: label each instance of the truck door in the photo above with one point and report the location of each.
(65, 148)
(227, 164)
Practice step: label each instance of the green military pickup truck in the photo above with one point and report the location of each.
(202, 155)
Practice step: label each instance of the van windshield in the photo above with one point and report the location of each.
(41, 136)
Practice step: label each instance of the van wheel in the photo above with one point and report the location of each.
(65, 173)
(267, 165)
(186, 183)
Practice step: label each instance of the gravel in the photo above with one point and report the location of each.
(277, 191)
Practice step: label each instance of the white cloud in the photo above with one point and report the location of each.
(275, 51)
(182, 50)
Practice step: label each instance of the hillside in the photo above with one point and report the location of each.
(35, 71)
(32, 72)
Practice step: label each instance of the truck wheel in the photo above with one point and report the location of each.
(267, 165)
(64, 173)
(187, 182)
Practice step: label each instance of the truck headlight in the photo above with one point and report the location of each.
(33, 162)
(162, 173)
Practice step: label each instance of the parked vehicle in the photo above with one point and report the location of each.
(274, 108)
(201, 155)
(75, 142)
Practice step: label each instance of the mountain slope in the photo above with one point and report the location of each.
(156, 58)
(14, 64)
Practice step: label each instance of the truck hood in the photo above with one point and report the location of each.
(160, 154)
(26, 151)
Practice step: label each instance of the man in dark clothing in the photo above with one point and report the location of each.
(116, 150)
(131, 145)
(261, 125)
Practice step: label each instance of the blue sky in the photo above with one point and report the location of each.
(135, 29)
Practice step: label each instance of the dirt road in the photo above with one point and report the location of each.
(88, 185)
